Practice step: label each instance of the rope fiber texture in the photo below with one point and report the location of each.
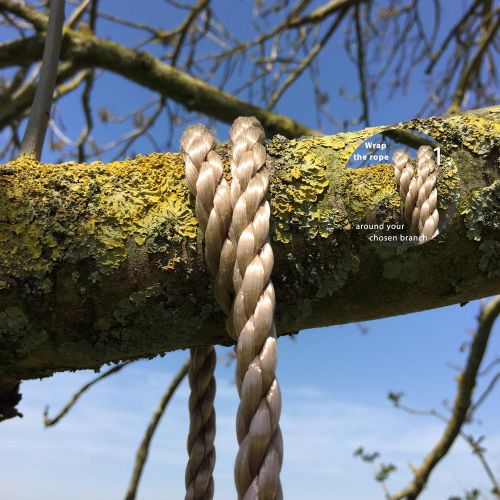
(260, 455)
(418, 193)
(204, 171)
(235, 222)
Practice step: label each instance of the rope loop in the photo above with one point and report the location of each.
(235, 222)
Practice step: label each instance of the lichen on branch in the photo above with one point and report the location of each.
(101, 262)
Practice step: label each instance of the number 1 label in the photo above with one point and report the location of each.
(438, 155)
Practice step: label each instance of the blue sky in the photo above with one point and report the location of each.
(334, 380)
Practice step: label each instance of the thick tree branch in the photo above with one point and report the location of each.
(98, 262)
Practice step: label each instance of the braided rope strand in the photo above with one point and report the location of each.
(408, 186)
(213, 209)
(427, 196)
(260, 455)
(418, 193)
(200, 444)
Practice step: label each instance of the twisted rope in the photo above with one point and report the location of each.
(418, 193)
(213, 209)
(427, 196)
(260, 455)
(239, 257)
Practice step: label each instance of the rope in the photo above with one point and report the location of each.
(239, 257)
(418, 193)
(427, 196)
(213, 209)
(260, 456)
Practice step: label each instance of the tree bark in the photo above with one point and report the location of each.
(100, 263)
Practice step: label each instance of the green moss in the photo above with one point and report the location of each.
(17, 335)
(296, 189)
(482, 219)
(482, 212)
(150, 310)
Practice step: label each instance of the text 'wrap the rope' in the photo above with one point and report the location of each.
(235, 222)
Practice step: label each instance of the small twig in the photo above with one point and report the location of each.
(77, 14)
(87, 90)
(143, 450)
(474, 66)
(485, 394)
(365, 117)
(49, 422)
(307, 60)
(461, 406)
(200, 5)
(40, 111)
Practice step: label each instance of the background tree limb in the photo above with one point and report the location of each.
(143, 450)
(461, 405)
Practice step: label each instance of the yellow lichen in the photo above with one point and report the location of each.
(76, 211)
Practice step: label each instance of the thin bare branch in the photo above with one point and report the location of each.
(461, 406)
(143, 450)
(49, 422)
(464, 81)
(36, 129)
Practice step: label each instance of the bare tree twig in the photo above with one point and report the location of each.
(469, 439)
(485, 393)
(461, 406)
(474, 65)
(143, 450)
(200, 5)
(307, 60)
(40, 111)
(77, 14)
(87, 90)
(365, 116)
(49, 422)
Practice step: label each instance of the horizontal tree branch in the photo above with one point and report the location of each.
(101, 263)
(85, 50)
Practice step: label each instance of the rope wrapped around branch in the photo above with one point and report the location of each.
(418, 193)
(260, 456)
(235, 222)
(204, 171)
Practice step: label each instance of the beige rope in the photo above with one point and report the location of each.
(427, 196)
(238, 254)
(260, 456)
(213, 209)
(200, 444)
(418, 193)
(408, 187)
